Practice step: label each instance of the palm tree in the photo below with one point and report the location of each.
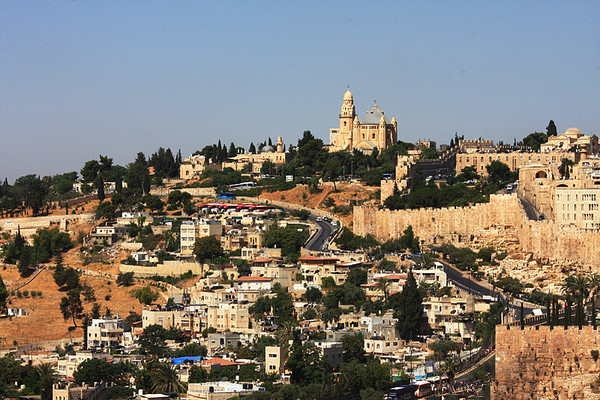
(285, 333)
(449, 367)
(166, 379)
(427, 259)
(47, 377)
(383, 284)
(577, 286)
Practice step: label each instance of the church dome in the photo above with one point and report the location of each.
(267, 149)
(348, 95)
(573, 131)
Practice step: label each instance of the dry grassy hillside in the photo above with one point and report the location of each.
(44, 320)
(347, 194)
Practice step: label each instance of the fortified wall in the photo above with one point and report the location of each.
(503, 215)
(543, 363)
(428, 223)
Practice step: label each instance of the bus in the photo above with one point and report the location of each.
(263, 209)
(406, 392)
(243, 185)
(424, 388)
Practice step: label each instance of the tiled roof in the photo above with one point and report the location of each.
(252, 279)
(221, 361)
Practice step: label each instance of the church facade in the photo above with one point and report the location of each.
(373, 131)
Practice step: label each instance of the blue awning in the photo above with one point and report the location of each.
(181, 360)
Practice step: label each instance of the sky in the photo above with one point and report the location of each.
(84, 78)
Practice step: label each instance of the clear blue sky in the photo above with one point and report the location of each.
(83, 78)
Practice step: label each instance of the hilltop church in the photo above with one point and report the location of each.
(373, 131)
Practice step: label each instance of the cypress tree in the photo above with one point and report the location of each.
(555, 312)
(411, 311)
(594, 311)
(551, 129)
(146, 184)
(522, 317)
(579, 314)
(567, 319)
(548, 310)
(100, 186)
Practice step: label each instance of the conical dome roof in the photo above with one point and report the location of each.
(348, 95)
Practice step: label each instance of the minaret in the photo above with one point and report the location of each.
(355, 133)
(279, 145)
(382, 137)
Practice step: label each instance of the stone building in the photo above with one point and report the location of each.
(572, 145)
(373, 131)
(192, 230)
(572, 200)
(192, 167)
(276, 155)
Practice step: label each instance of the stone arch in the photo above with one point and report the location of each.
(541, 174)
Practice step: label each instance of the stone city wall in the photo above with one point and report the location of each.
(30, 225)
(503, 214)
(168, 268)
(431, 222)
(542, 363)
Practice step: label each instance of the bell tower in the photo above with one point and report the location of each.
(348, 113)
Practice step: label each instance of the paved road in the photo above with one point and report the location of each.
(324, 230)
(478, 288)
(530, 210)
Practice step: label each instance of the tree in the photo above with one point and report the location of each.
(26, 262)
(442, 348)
(3, 297)
(165, 378)
(268, 168)
(177, 198)
(410, 313)
(198, 374)
(145, 295)
(551, 129)
(565, 168)
(252, 148)
(32, 191)
(383, 284)
(207, 248)
(313, 295)
(66, 278)
(125, 279)
(535, 139)
(154, 203)
(307, 365)
(90, 170)
(99, 183)
(499, 172)
(152, 339)
(328, 282)
(70, 306)
(354, 348)
(46, 378)
(191, 349)
(106, 210)
(95, 313)
(50, 242)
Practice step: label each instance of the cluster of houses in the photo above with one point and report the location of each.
(221, 307)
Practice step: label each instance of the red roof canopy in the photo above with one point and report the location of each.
(252, 279)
